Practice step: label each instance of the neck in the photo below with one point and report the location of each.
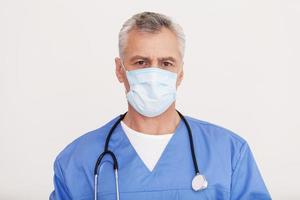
(165, 123)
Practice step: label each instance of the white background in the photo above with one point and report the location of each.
(57, 80)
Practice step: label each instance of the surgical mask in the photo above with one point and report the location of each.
(152, 90)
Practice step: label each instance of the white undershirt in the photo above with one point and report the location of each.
(148, 147)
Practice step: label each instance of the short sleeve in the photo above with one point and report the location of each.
(247, 182)
(60, 189)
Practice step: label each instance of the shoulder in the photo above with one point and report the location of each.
(218, 140)
(89, 143)
(215, 131)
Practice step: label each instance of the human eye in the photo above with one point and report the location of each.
(167, 64)
(140, 63)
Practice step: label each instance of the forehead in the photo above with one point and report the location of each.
(152, 45)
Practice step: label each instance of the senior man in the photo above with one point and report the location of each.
(152, 151)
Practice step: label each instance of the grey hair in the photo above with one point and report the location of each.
(150, 22)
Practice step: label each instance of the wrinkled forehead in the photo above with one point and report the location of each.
(161, 44)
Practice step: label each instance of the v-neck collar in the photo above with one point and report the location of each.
(125, 140)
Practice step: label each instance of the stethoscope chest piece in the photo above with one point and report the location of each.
(199, 182)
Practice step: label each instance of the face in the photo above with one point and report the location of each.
(150, 49)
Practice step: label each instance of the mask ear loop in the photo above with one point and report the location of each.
(123, 66)
(125, 71)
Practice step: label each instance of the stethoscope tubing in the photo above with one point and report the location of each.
(115, 164)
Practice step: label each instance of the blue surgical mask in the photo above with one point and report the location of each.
(152, 90)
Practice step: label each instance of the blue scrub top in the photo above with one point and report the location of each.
(223, 157)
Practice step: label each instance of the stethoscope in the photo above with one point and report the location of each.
(199, 181)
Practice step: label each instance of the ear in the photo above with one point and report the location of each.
(180, 77)
(119, 70)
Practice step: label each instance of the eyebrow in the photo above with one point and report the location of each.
(138, 57)
(146, 58)
(167, 58)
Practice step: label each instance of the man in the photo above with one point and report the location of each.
(151, 153)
